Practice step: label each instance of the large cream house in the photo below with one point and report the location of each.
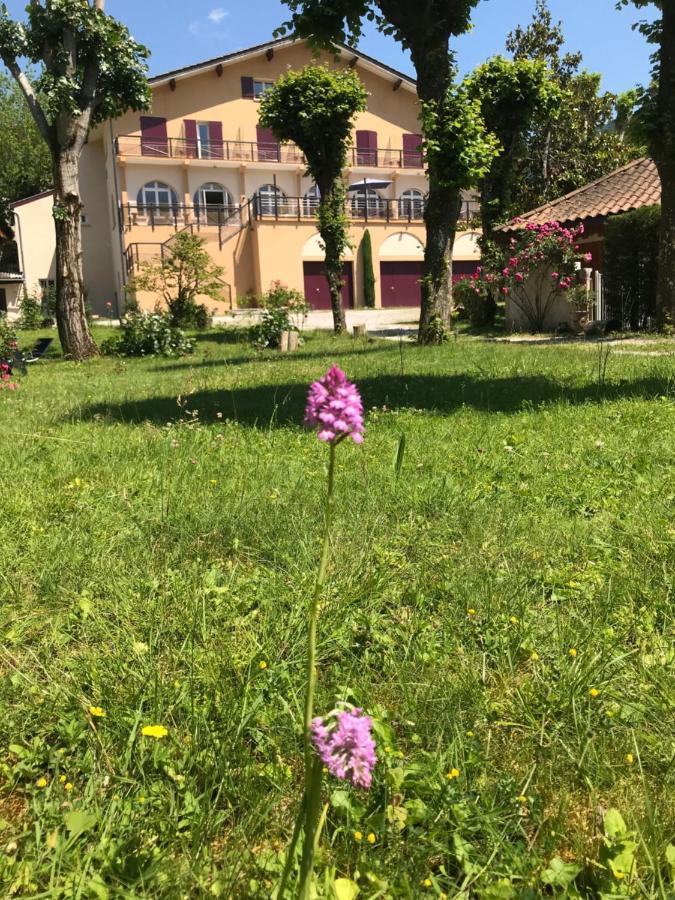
(199, 160)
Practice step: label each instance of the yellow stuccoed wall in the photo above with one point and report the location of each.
(259, 251)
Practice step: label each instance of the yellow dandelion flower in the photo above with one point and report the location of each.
(630, 759)
(68, 786)
(471, 612)
(358, 836)
(469, 734)
(453, 773)
(594, 692)
(400, 754)
(427, 882)
(42, 782)
(371, 838)
(513, 620)
(97, 712)
(62, 779)
(522, 798)
(619, 875)
(154, 731)
(141, 799)
(262, 664)
(214, 481)
(534, 656)
(572, 652)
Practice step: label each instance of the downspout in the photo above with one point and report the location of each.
(118, 207)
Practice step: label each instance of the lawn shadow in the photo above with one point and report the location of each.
(274, 405)
(272, 356)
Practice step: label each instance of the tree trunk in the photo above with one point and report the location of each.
(332, 226)
(663, 152)
(76, 340)
(441, 214)
(443, 205)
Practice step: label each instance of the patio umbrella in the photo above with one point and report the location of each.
(374, 184)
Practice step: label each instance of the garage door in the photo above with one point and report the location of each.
(316, 285)
(463, 268)
(400, 283)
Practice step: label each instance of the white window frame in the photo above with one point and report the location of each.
(411, 204)
(272, 200)
(260, 85)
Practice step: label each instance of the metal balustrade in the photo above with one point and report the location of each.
(257, 151)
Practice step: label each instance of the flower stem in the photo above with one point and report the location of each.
(312, 764)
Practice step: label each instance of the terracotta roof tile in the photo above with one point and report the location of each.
(629, 187)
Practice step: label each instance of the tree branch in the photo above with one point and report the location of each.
(27, 90)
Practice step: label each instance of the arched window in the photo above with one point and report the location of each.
(367, 202)
(158, 200)
(213, 204)
(411, 204)
(272, 201)
(310, 202)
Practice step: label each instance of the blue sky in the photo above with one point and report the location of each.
(180, 33)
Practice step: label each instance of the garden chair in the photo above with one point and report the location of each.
(38, 351)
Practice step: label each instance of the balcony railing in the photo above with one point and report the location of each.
(371, 209)
(177, 216)
(257, 151)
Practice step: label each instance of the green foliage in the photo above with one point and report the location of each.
(185, 273)
(580, 143)
(368, 272)
(631, 265)
(511, 95)
(159, 551)
(8, 341)
(474, 302)
(31, 313)
(457, 145)
(148, 334)
(25, 164)
(283, 309)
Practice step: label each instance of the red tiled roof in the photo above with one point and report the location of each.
(634, 185)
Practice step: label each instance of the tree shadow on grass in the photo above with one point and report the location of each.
(274, 405)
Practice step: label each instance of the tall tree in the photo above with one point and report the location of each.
(580, 143)
(511, 94)
(92, 70)
(25, 165)
(315, 109)
(657, 118)
(424, 28)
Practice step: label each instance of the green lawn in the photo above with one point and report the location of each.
(503, 605)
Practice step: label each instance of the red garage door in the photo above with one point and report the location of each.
(316, 285)
(400, 283)
(462, 269)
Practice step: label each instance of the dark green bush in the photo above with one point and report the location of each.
(631, 261)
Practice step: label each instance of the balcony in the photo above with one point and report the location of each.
(176, 216)
(256, 152)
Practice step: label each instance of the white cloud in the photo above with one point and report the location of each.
(217, 15)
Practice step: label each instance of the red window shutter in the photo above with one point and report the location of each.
(216, 139)
(154, 140)
(268, 147)
(412, 151)
(366, 148)
(247, 87)
(190, 127)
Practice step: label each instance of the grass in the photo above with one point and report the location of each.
(501, 601)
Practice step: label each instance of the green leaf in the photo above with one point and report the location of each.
(559, 873)
(670, 859)
(417, 811)
(615, 827)
(345, 889)
(78, 821)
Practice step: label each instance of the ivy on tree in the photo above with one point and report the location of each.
(424, 28)
(91, 70)
(315, 108)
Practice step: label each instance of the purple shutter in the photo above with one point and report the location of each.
(268, 148)
(154, 140)
(247, 88)
(190, 127)
(366, 148)
(412, 152)
(216, 140)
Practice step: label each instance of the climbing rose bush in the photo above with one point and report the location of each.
(536, 267)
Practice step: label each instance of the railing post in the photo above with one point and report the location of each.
(152, 217)
(387, 202)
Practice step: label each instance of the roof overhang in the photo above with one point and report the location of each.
(355, 58)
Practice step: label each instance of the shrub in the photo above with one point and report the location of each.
(31, 315)
(283, 309)
(476, 303)
(368, 273)
(8, 341)
(150, 334)
(631, 263)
